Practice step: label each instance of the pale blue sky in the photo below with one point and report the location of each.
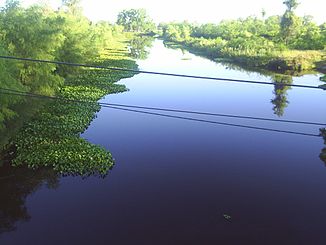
(194, 11)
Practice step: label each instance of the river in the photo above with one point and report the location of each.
(180, 181)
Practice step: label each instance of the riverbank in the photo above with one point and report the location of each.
(51, 138)
(289, 61)
(321, 66)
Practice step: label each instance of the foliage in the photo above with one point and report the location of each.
(136, 20)
(72, 6)
(33, 33)
(82, 42)
(51, 137)
(176, 31)
(309, 36)
(7, 80)
(290, 23)
(323, 78)
(291, 4)
(255, 42)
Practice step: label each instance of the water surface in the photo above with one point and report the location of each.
(175, 179)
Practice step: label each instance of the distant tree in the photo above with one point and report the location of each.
(291, 4)
(289, 21)
(73, 6)
(263, 13)
(136, 20)
(12, 4)
(323, 34)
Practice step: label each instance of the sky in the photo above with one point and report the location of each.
(201, 11)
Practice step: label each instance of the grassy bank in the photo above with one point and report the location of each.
(52, 137)
(288, 61)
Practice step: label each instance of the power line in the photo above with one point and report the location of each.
(217, 114)
(173, 110)
(157, 73)
(179, 117)
(213, 122)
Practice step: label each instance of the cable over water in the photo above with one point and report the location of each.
(16, 92)
(220, 79)
(117, 107)
(213, 122)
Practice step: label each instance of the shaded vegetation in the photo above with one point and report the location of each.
(49, 135)
(52, 138)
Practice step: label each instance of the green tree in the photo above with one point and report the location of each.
(136, 20)
(309, 36)
(323, 34)
(272, 28)
(263, 13)
(78, 46)
(34, 32)
(72, 6)
(291, 4)
(289, 21)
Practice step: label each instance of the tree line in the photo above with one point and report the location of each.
(40, 32)
(286, 42)
(282, 42)
(39, 132)
(285, 32)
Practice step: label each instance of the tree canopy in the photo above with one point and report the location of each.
(290, 22)
(135, 20)
(40, 32)
(291, 4)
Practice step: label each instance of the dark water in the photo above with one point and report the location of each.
(175, 179)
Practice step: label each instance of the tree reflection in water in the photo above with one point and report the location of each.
(139, 46)
(16, 184)
(323, 130)
(280, 101)
(323, 152)
(14, 112)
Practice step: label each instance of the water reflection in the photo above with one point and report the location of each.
(16, 184)
(6, 108)
(323, 152)
(323, 130)
(280, 101)
(323, 79)
(14, 112)
(139, 47)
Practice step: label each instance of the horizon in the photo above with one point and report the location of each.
(97, 10)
